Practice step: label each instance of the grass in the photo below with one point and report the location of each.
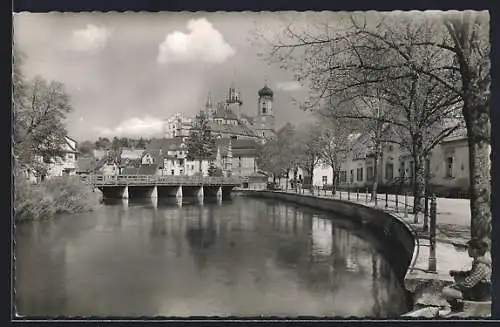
(59, 195)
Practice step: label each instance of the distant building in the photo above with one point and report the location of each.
(448, 163)
(227, 120)
(234, 157)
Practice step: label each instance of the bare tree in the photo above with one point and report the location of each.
(380, 58)
(334, 145)
(308, 145)
(278, 156)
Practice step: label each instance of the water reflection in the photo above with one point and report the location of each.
(242, 257)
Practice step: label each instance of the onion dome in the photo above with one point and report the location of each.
(265, 91)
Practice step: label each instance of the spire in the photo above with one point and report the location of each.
(209, 100)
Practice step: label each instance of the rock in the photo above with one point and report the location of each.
(427, 312)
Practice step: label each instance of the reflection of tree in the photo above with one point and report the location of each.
(201, 238)
(41, 289)
(375, 284)
(158, 226)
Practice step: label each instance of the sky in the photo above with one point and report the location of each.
(125, 72)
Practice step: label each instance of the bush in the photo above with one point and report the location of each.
(51, 197)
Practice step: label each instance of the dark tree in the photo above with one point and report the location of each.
(201, 143)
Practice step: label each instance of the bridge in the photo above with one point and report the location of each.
(153, 186)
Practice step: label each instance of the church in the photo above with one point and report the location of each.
(227, 120)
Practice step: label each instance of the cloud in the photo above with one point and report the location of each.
(134, 127)
(288, 86)
(90, 39)
(202, 43)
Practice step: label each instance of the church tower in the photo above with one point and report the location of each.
(265, 117)
(234, 101)
(209, 107)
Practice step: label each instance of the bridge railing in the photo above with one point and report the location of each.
(155, 179)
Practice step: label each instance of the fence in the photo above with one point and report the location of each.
(158, 180)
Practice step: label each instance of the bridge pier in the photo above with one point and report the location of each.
(200, 194)
(178, 194)
(125, 193)
(154, 193)
(219, 195)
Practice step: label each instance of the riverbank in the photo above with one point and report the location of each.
(51, 197)
(452, 234)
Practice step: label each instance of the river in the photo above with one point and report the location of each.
(244, 257)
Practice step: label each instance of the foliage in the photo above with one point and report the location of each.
(215, 171)
(86, 148)
(39, 123)
(53, 196)
(103, 143)
(200, 143)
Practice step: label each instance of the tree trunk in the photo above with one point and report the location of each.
(478, 132)
(419, 185)
(287, 173)
(334, 180)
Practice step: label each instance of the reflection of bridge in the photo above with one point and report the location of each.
(137, 186)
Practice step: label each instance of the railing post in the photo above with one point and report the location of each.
(397, 197)
(376, 197)
(348, 193)
(357, 194)
(432, 236)
(386, 199)
(340, 195)
(406, 205)
(426, 212)
(366, 195)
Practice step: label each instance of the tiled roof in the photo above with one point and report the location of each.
(131, 154)
(239, 129)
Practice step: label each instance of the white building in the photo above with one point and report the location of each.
(448, 163)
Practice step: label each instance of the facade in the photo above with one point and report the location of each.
(448, 165)
(235, 157)
(57, 166)
(65, 165)
(176, 126)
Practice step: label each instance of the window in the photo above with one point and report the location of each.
(412, 167)
(352, 175)
(389, 171)
(70, 156)
(449, 167)
(324, 179)
(402, 169)
(359, 174)
(172, 172)
(264, 110)
(239, 162)
(369, 173)
(343, 176)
